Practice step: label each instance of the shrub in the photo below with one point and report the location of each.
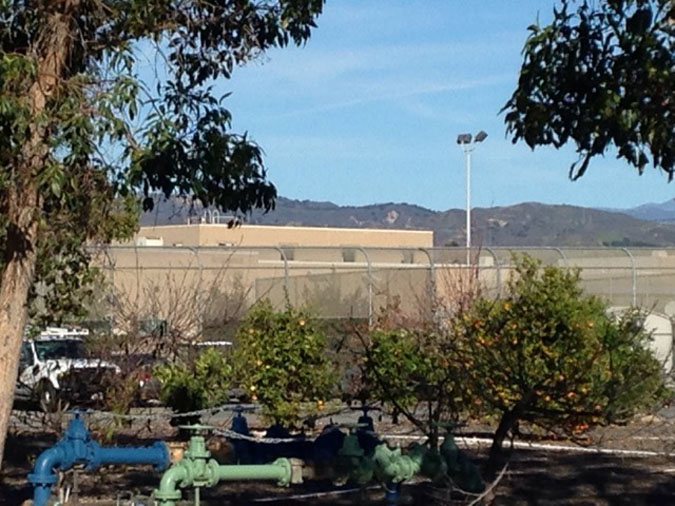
(282, 361)
(196, 385)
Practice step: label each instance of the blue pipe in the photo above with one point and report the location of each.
(76, 447)
(157, 454)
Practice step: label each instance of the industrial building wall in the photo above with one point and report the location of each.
(207, 234)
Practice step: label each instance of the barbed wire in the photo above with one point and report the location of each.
(643, 436)
(212, 412)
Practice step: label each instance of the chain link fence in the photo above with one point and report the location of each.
(352, 282)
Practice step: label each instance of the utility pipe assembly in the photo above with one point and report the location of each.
(196, 469)
(357, 457)
(76, 447)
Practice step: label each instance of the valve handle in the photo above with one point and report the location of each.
(242, 408)
(78, 411)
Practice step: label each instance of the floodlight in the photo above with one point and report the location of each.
(480, 136)
(464, 139)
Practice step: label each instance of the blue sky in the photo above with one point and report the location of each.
(369, 110)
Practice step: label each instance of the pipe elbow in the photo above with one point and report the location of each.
(168, 491)
(43, 471)
(172, 476)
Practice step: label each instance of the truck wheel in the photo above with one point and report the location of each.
(48, 397)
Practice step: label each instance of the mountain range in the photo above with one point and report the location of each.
(525, 224)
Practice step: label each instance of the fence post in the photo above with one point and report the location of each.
(369, 273)
(432, 278)
(111, 296)
(195, 252)
(285, 259)
(634, 276)
(138, 275)
(562, 256)
(499, 274)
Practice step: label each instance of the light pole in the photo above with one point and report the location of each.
(468, 144)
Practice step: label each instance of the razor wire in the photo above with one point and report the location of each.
(231, 434)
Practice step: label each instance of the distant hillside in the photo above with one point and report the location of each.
(662, 212)
(527, 224)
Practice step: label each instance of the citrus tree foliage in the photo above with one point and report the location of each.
(282, 361)
(415, 371)
(196, 384)
(600, 75)
(550, 355)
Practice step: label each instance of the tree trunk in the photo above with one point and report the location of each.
(15, 282)
(509, 418)
(21, 203)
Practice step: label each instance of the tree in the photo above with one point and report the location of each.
(600, 76)
(551, 356)
(195, 383)
(281, 359)
(412, 363)
(74, 114)
(415, 372)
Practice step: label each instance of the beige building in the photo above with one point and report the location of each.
(206, 234)
(179, 273)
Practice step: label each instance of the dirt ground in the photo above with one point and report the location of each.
(533, 477)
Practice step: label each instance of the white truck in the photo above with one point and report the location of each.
(54, 370)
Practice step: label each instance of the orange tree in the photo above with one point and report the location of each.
(550, 355)
(282, 360)
(410, 365)
(415, 372)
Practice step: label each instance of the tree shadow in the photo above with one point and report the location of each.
(548, 478)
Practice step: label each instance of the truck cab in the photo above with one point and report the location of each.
(54, 370)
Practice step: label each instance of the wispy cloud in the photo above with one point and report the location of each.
(395, 92)
(312, 66)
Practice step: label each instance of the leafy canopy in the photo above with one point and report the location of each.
(550, 355)
(83, 129)
(191, 385)
(281, 359)
(600, 75)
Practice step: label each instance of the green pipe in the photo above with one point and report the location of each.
(194, 470)
(280, 471)
(168, 487)
(392, 466)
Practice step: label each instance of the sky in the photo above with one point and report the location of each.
(368, 111)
